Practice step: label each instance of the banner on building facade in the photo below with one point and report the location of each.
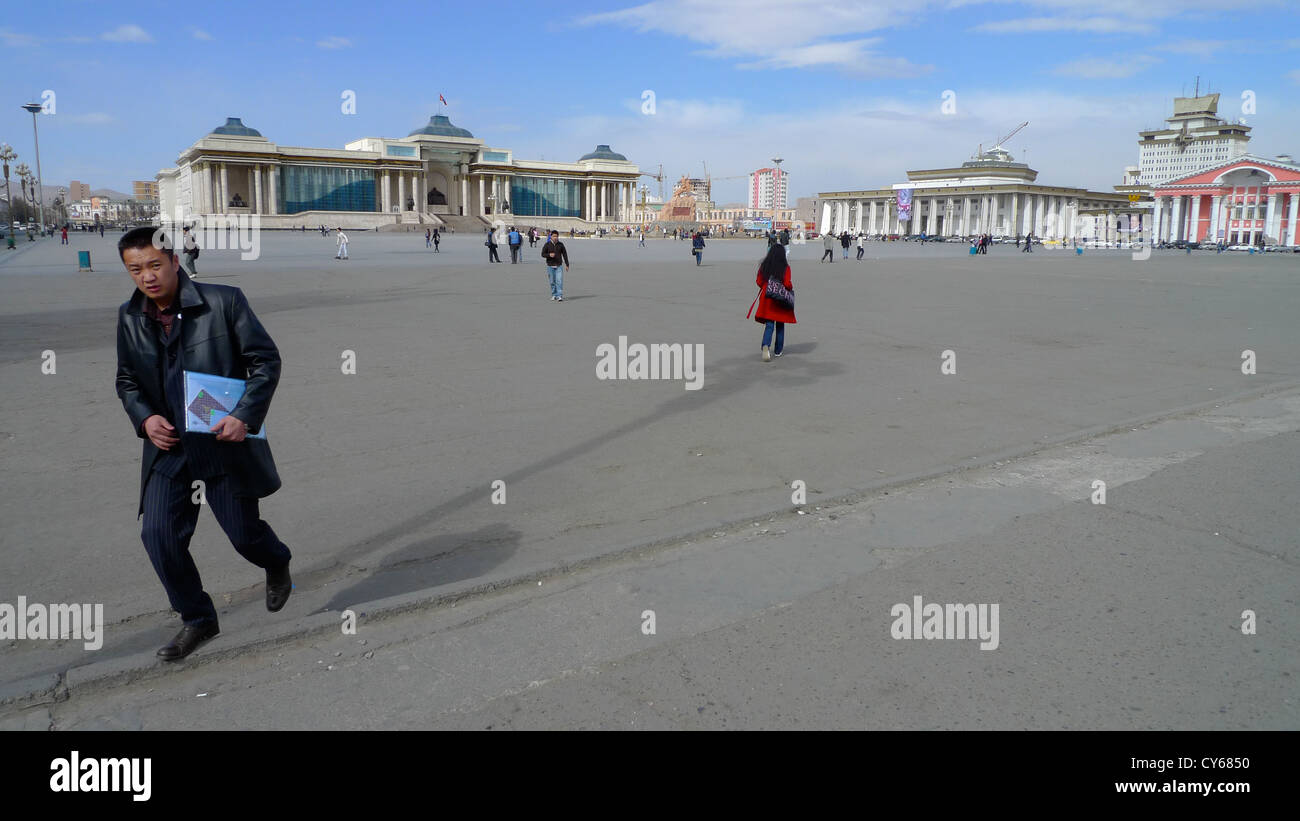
(904, 204)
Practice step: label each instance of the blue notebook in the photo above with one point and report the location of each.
(210, 398)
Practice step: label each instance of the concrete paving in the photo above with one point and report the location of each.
(467, 373)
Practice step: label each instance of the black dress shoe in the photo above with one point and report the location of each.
(278, 588)
(188, 640)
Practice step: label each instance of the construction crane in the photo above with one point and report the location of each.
(659, 177)
(997, 145)
(708, 180)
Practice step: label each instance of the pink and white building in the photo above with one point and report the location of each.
(1247, 200)
(767, 189)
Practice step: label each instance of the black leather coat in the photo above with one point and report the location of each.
(219, 335)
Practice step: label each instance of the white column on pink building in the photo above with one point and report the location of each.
(1270, 217)
(1195, 222)
(1294, 196)
(1215, 218)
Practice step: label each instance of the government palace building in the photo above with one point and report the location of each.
(438, 175)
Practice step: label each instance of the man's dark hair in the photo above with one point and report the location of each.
(144, 236)
(554, 233)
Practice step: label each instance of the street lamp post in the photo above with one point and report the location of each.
(776, 180)
(35, 108)
(8, 155)
(24, 175)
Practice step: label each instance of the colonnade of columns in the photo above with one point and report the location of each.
(1049, 216)
(608, 201)
(389, 178)
(1240, 215)
(210, 188)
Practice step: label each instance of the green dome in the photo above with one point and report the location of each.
(602, 152)
(235, 128)
(440, 126)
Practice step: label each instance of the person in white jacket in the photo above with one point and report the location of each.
(343, 245)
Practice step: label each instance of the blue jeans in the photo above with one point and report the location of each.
(556, 275)
(699, 255)
(780, 335)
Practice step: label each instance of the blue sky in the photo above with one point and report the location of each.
(849, 93)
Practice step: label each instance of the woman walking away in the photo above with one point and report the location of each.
(775, 300)
(697, 247)
(436, 239)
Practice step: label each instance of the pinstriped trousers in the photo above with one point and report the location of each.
(170, 515)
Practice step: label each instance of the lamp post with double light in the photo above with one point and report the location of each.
(8, 155)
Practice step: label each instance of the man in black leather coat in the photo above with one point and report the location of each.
(171, 325)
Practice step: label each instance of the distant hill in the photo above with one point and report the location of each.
(110, 193)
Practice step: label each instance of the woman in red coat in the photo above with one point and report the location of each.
(771, 312)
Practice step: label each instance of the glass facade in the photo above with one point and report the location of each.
(545, 197)
(325, 188)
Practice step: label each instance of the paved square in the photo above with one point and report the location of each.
(467, 373)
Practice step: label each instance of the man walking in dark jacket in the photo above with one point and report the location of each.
(172, 325)
(557, 262)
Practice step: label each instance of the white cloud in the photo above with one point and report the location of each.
(127, 33)
(777, 33)
(1204, 49)
(16, 39)
(1106, 68)
(200, 34)
(334, 42)
(1091, 25)
(851, 55)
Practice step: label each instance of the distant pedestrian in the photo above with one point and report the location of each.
(491, 244)
(641, 241)
(557, 262)
(64, 240)
(191, 249)
(861, 250)
(516, 241)
(775, 300)
(844, 243)
(828, 244)
(428, 238)
(1029, 244)
(436, 239)
(697, 247)
(342, 241)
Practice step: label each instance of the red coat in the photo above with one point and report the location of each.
(769, 311)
